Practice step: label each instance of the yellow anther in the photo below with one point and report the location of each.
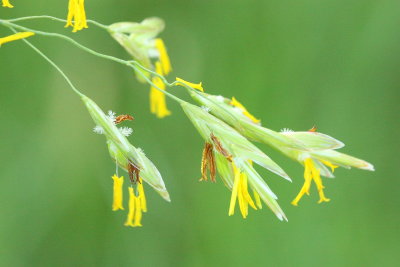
(164, 58)
(132, 204)
(237, 104)
(158, 104)
(197, 86)
(240, 191)
(117, 193)
(330, 165)
(15, 36)
(76, 15)
(6, 3)
(311, 173)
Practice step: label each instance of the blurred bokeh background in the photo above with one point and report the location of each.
(295, 64)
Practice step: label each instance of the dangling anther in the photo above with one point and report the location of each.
(208, 162)
(133, 173)
(218, 146)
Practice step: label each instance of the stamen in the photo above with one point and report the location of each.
(133, 172)
(213, 169)
(6, 3)
(15, 36)
(306, 186)
(131, 213)
(137, 205)
(245, 191)
(158, 104)
(138, 213)
(76, 12)
(320, 187)
(182, 82)
(164, 58)
(311, 173)
(220, 148)
(208, 162)
(237, 104)
(234, 190)
(204, 163)
(327, 163)
(117, 193)
(240, 191)
(242, 204)
(258, 199)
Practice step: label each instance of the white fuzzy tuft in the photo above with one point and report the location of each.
(220, 98)
(98, 130)
(286, 130)
(126, 131)
(111, 116)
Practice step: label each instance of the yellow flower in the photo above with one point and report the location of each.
(237, 104)
(312, 173)
(158, 104)
(76, 12)
(239, 181)
(226, 149)
(314, 150)
(182, 82)
(117, 196)
(240, 192)
(330, 165)
(15, 36)
(137, 205)
(139, 40)
(6, 3)
(163, 56)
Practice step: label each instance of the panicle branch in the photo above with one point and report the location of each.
(226, 125)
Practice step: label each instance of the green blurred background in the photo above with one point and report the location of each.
(294, 64)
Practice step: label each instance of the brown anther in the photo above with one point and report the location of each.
(313, 129)
(208, 162)
(133, 173)
(220, 148)
(212, 165)
(122, 118)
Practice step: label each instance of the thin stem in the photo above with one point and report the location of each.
(132, 64)
(81, 46)
(98, 24)
(52, 63)
(180, 101)
(124, 62)
(165, 81)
